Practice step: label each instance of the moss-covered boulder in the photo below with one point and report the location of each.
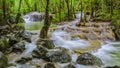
(3, 61)
(89, 59)
(46, 43)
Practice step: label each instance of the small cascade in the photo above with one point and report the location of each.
(33, 17)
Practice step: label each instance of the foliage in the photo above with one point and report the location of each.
(103, 8)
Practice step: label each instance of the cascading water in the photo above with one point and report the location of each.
(108, 53)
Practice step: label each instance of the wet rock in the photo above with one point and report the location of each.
(70, 66)
(3, 61)
(49, 65)
(112, 67)
(89, 59)
(57, 55)
(23, 60)
(39, 52)
(46, 43)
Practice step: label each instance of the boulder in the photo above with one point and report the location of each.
(3, 61)
(58, 55)
(49, 65)
(46, 43)
(89, 59)
(39, 52)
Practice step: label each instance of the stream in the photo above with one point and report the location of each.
(108, 52)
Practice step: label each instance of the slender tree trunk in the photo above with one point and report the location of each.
(4, 20)
(111, 8)
(70, 15)
(60, 6)
(81, 19)
(18, 13)
(45, 28)
(35, 5)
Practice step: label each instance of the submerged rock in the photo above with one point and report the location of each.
(49, 65)
(58, 55)
(3, 61)
(39, 52)
(89, 59)
(46, 43)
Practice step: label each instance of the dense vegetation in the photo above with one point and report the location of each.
(63, 9)
(103, 25)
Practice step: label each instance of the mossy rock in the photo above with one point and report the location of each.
(58, 55)
(39, 52)
(46, 43)
(89, 59)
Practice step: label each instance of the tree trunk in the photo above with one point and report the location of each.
(111, 8)
(70, 15)
(4, 20)
(81, 19)
(45, 28)
(60, 6)
(18, 13)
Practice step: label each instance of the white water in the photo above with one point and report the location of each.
(62, 38)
